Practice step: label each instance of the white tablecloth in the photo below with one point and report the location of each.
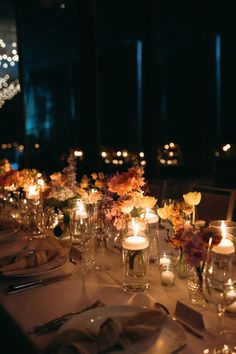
(41, 304)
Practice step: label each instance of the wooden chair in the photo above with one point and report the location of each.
(216, 203)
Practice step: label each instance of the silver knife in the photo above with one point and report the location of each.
(15, 288)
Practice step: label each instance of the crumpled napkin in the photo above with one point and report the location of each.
(113, 334)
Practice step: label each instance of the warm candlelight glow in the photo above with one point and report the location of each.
(164, 259)
(150, 216)
(225, 246)
(223, 230)
(32, 192)
(135, 242)
(41, 183)
(80, 210)
(135, 226)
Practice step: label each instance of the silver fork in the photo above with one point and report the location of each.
(57, 322)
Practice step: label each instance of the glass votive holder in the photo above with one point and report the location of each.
(167, 274)
(227, 226)
(164, 259)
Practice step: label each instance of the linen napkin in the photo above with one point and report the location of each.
(28, 256)
(114, 334)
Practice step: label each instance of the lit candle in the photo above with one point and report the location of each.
(80, 212)
(164, 259)
(225, 246)
(150, 216)
(135, 243)
(32, 192)
(167, 277)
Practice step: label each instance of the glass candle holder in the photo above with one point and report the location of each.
(135, 248)
(164, 259)
(167, 275)
(152, 219)
(227, 229)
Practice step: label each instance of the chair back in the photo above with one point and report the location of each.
(216, 203)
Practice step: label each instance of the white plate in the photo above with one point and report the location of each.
(170, 339)
(50, 266)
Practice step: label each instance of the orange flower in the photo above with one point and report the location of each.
(84, 182)
(94, 175)
(99, 183)
(126, 182)
(56, 176)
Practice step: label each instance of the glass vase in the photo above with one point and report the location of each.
(182, 267)
(196, 296)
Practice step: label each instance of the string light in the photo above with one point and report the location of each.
(9, 84)
(170, 154)
(109, 156)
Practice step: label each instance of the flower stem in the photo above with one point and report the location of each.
(131, 259)
(193, 216)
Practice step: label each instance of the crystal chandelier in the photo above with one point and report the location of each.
(9, 83)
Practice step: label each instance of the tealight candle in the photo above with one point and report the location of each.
(150, 216)
(226, 246)
(32, 192)
(167, 276)
(164, 259)
(135, 243)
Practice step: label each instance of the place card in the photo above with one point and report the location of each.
(189, 316)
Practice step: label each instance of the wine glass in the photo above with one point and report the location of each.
(81, 238)
(48, 219)
(102, 231)
(33, 209)
(219, 288)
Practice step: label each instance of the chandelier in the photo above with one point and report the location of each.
(9, 83)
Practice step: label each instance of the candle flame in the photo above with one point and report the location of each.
(32, 189)
(223, 230)
(81, 208)
(147, 211)
(135, 227)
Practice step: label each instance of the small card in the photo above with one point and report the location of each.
(188, 315)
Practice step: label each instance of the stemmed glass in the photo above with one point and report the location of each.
(31, 212)
(219, 288)
(81, 238)
(101, 231)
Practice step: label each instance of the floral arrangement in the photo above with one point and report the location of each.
(190, 236)
(62, 186)
(14, 180)
(123, 196)
(91, 189)
(5, 166)
(177, 213)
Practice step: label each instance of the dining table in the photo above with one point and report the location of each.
(21, 311)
